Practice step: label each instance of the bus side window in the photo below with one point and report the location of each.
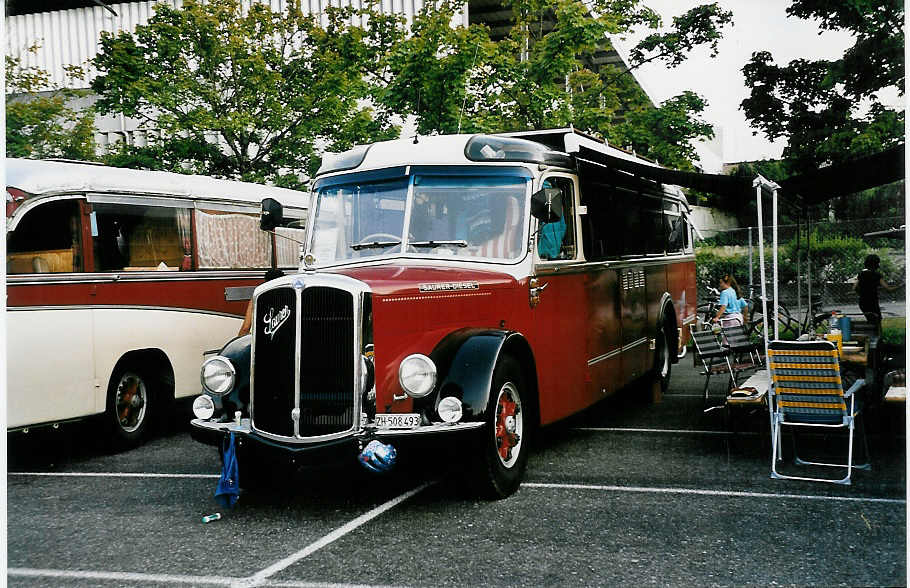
(556, 240)
(674, 227)
(46, 240)
(601, 228)
(133, 237)
(231, 240)
(652, 225)
(632, 229)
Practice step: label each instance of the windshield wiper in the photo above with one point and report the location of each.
(374, 245)
(455, 242)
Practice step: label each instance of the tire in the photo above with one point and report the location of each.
(132, 399)
(663, 364)
(505, 439)
(787, 327)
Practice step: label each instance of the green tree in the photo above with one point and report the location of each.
(541, 74)
(42, 121)
(240, 93)
(831, 110)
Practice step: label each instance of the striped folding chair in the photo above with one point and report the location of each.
(737, 340)
(807, 391)
(714, 358)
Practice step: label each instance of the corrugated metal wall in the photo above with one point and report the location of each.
(70, 37)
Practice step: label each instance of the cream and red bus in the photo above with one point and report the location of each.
(118, 280)
(452, 286)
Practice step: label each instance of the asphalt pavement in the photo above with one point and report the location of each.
(628, 493)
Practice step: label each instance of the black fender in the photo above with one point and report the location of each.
(667, 316)
(238, 351)
(465, 360)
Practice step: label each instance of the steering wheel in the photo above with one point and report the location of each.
(375, 237)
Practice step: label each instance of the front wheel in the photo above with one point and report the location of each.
(505, 438)
(130, 404)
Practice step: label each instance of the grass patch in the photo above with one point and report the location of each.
(894, 330)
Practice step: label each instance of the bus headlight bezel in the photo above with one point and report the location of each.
(417, 375)
(225, 370)
(203, 407)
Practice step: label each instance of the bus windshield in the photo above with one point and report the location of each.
(429, 215)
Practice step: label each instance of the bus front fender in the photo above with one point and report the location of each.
(465, 360)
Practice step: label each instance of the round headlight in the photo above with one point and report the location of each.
(203, 407)
(417, 375)
(449, 409)
(218, 375)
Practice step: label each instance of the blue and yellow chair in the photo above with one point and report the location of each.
(807, 391)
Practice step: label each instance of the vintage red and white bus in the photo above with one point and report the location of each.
(473, 286)
(118, 280)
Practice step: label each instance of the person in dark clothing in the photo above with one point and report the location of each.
(868, 283)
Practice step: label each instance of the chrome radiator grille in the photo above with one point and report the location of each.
(323, 319)
(326, 361)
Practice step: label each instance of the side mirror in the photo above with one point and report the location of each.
(546, 205)
(271, 214)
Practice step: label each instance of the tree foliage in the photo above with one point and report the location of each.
(833, 110)
(249, 94)
(252, 94)
(541, 75)
(41, 121)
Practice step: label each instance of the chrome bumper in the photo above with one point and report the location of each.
(244, 428)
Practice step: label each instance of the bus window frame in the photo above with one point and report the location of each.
(576, 226)
(86, 260)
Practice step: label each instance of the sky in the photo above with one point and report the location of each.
(758, 25)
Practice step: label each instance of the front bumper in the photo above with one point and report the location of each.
(212, 433)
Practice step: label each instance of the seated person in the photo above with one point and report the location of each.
(550, 235)
(549, 239)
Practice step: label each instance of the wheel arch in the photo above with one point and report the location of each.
(465, 360)
(666, 319)
(154, 363)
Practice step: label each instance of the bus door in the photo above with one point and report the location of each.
(559, 328)
(50, 373)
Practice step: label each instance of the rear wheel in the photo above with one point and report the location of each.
(131, 403)
(504, 444)
(662, 363)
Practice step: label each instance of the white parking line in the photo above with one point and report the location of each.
(697, 491)
(261, 576)
(112, 475)
(167, 578)
(121, 576)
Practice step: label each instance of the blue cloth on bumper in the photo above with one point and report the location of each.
(227, 491)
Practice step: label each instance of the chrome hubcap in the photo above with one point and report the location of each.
(131, 402)
(509, 425)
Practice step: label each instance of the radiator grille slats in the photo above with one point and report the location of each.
(327, 361)
(273, 385)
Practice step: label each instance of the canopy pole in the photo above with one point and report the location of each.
(774, 238)
(761, 264)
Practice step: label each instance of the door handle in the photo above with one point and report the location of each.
(535, 290)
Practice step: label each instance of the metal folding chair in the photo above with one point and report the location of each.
(737, 340)
(807, 391)
(714, 358)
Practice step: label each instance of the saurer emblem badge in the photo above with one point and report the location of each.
(273, 320)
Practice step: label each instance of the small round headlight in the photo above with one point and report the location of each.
(203, 407)
(218, 375)
(417, 375)
(449, 409)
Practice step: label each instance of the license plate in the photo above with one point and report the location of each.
(407, 420)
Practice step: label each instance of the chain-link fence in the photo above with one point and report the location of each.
(818, 261)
